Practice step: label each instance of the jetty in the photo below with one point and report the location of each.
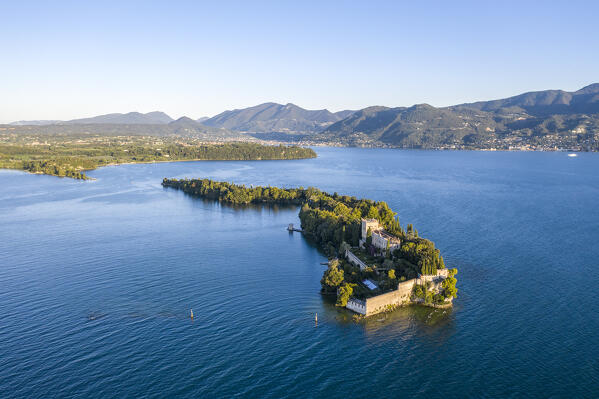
(291, 229)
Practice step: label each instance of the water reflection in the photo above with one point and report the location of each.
(217, 205)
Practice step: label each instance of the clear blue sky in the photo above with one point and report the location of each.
(63, 60)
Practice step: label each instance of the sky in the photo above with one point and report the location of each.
(65, 60)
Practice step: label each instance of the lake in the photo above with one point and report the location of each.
(97, 279)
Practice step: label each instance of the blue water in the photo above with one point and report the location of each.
(97, 279)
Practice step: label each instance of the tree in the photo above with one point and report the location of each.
(343, 247)
(428, 297)
(449, 288)
(333, 277)
(334, 223)
(388, 264)
(438, 299)
(418, 291)
(344, 293)
(369, 237)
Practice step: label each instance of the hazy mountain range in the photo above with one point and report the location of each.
(272, 117)
(133, 123)
(131, 118)
(549, 118)
(535, 117)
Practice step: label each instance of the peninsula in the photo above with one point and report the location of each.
(375, 264)
(72, 155)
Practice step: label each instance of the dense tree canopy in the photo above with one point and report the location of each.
(69, 156)
(334, 222)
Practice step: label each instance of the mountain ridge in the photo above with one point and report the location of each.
(129, 118)
(547, 119)
(273, 117)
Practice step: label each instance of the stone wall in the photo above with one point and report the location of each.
(371, 224)
(379, 303)
(357, 306)
(354, 259)
(400, 296)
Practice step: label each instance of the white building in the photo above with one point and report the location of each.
(380, 237)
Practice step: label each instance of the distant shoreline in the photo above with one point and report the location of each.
(72, 156)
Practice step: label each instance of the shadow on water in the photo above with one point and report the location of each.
(412, 320)
(401, 320)
(404, 320)
(236, 207)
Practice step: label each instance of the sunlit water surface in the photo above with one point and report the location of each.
(97, 279)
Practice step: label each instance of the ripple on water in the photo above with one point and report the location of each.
(97, 280)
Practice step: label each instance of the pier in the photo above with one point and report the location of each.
(291, 229)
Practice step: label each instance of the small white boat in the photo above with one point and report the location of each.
(572, 155)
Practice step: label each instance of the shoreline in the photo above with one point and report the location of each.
(149, 162)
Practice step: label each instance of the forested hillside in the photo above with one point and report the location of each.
(70, 156)
(334, 222)
(276, 118)
(545, 120)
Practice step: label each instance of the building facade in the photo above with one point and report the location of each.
(380, 238)
(400, 296)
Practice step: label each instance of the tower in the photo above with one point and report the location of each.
(371, 224)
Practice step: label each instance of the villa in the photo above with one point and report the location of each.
(403, 293)
(380, 238)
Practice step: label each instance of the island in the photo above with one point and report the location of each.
(375, 264)
(72, 155)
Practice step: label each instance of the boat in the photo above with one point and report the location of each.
(572, 155)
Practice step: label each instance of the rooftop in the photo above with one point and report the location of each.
(370, 284)
(386, 235)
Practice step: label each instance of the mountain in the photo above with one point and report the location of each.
(545, 119)
(344, 114)
(273, 117)
(185, 126)
(421, 125)
(543, 103)
(181, 127)
(35, 123)
(131, 118)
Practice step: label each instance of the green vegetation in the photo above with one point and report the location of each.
(344, 293)
(334, 222)
(332, 278)
(70, 156)
(545, 120)
(448, 290)
(449, 284)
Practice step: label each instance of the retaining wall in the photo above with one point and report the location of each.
(354, 259)
(400, 296)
